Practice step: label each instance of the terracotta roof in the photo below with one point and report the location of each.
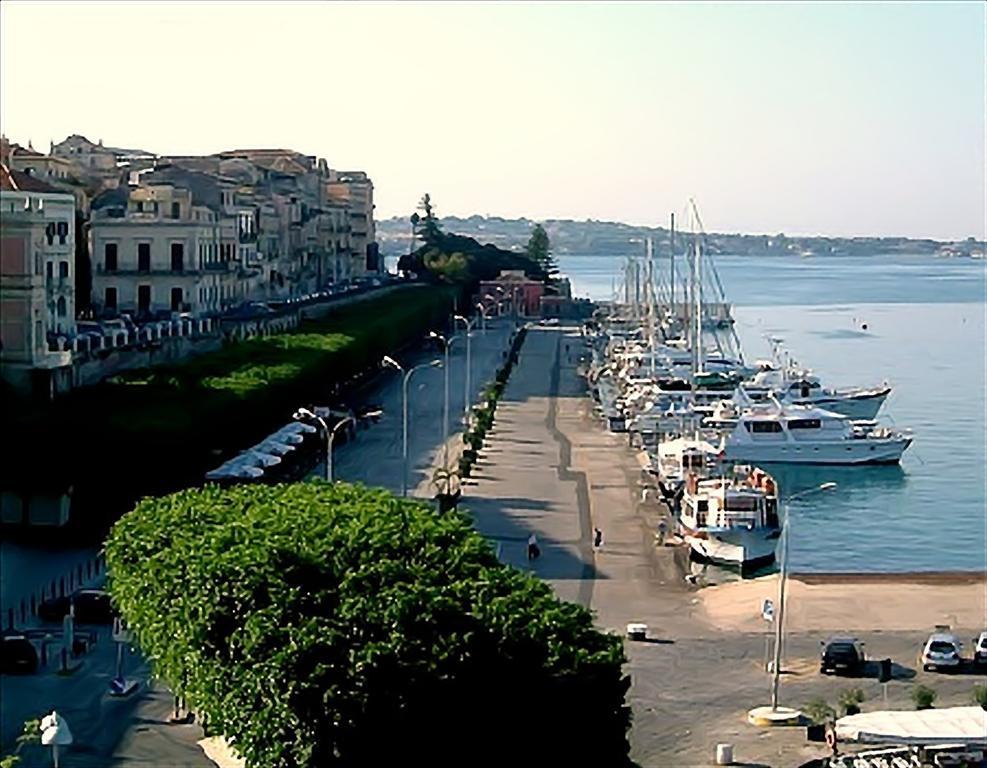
(15, 181)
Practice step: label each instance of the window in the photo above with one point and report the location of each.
(140, 206)
(176, 210)
(804, 424)
(50, 270)
(143, 257)
(63, 269)
(143, 299)
(63, 232)
(176, 299)
(110, 300)
(177, 257)
(110, 257)
(61, 306)
(762, 427)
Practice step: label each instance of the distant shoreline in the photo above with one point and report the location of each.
(910, 577)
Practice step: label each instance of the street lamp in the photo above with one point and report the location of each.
(483, 314)
(304, 414)
(775, 715)
(390, 362)
(467, 390)
(445, 407)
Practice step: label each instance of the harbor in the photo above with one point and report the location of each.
(554, 470)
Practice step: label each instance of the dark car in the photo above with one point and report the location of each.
(842, 655)
(92, 606)
(18, 655)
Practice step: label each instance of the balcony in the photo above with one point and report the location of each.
(153, 272)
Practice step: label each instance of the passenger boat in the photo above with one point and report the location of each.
(679, 458)
(731, 520)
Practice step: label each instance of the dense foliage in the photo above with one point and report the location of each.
(157, 430)
(457, 260)
(316, 624)
(539, 250)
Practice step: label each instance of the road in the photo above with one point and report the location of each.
(374, 457)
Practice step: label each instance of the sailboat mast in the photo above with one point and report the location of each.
(671, 259)
(699, 308)
(651, 306)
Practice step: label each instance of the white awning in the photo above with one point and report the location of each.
(954, 725)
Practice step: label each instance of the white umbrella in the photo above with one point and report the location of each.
(297, 428)
(275, 447)
(257, 459)
(55, 733)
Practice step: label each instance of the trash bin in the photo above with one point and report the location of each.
(724, 754)
(885, 675)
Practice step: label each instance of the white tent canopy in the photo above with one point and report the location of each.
(954, 725)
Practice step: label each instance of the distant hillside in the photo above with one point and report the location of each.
(598, 238)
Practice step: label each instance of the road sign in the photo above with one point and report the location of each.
(120, 632)
(768, 610)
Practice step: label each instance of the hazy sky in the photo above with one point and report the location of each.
(857, 118)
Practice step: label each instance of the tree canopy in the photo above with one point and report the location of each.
(316, 624)
(539, 251)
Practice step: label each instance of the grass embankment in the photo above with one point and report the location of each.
(158, 430)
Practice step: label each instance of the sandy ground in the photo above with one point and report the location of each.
(856, 604)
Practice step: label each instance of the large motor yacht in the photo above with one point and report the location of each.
(801, 434)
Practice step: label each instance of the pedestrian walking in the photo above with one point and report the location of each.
(662, 530)
(597, 538)
(533, 550)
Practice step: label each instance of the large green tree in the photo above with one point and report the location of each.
(316, 625)
(539, 250)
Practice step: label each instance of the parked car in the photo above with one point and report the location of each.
(842, 654)
(980, 650)
(18, 655)
(92, 606)
(942, 651)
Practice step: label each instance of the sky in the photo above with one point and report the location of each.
(834, 118)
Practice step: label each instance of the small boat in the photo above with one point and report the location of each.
(679, 458)
(731, 520)
(802, 434)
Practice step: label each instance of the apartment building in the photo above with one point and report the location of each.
(157, 251)
(355, 191)
(37, 296)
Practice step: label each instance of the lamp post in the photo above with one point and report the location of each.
(445, 407)
(775, 715)
(467, 390)
(390, 362)
(483, 314)
(304, 414)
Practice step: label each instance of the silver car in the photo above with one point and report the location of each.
(943, 650)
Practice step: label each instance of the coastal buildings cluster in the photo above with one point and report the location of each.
(94, 234)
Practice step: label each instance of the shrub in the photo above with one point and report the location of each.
(850, 700)
(923, 697)
(819, 711)
(335, 625)
(980, 695)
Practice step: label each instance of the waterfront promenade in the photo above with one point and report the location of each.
(550, 469)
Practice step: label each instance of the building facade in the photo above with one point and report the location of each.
(37, 295)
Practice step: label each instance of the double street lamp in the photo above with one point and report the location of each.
(304, 414)
(390, 362)
(467, 396)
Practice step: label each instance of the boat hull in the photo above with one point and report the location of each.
(844, 452)
(857, 407)
(747, 549)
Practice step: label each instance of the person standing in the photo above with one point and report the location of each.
(597, 538)
(533, 550)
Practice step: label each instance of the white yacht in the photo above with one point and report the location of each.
(802, 434)
(800, 387)
(731, 520)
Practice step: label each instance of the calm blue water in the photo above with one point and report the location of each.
(925, 334)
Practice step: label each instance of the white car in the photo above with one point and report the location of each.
(942, 651)
(980, 650)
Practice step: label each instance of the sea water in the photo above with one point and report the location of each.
(917, 322)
